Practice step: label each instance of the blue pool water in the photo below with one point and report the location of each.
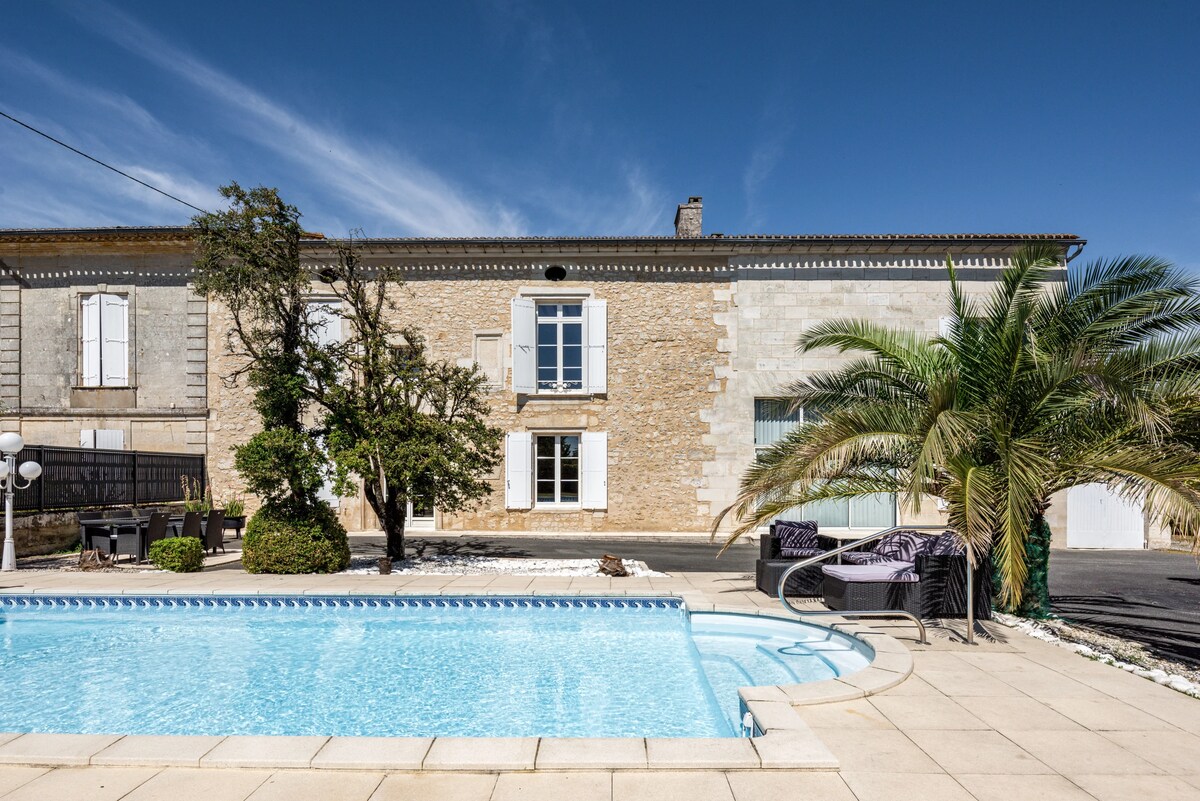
(394, 666)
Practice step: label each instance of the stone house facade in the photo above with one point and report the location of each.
(633, 376)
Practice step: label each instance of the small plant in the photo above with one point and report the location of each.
(235, 507)
(196, 497)
(178, 554)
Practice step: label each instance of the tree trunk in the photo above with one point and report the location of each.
(391, 514)
(1035, 599)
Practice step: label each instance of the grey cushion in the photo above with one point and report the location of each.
(900, 572)
(799, 553)
(795, 535)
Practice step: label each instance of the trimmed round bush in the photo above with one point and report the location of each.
(178, 554)
(286, 541)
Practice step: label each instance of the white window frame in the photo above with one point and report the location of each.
(760, 447)
(558, 503)
(424, 522)
(559, 323)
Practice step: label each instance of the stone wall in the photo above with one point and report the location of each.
(774, 300)
(40, 290)
(662, 365)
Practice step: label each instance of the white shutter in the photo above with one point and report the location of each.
(326, 322)
(593, 454)
(111, 438)
(524, 345)
(89, 341)
(87, 438)
(595, 323)
(326, 492)
(114, 334)
(518, 470)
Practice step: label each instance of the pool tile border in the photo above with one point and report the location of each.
(326, 600)
(783, 740)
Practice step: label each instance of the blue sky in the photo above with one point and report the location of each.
(511, 118)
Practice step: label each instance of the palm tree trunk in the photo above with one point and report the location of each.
(1035, 599)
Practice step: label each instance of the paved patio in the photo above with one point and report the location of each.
(1008, 718)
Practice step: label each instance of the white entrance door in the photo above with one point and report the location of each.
(1099, 518)
(420, 515)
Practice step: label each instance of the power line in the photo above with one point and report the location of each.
(101, 163)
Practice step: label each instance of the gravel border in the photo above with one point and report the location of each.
(1128, 656)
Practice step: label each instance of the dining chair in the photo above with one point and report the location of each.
(86, 532)
(214, 531)
(156, 530)
(191, 525)
(128, 542)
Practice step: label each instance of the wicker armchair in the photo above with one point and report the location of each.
(772, 563)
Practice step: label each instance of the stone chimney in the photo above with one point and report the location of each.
(687, 218)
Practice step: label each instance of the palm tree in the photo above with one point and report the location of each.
(1035, 387)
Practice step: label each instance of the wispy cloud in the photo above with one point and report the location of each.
(340, 180)
(394, 189)
(764, 158)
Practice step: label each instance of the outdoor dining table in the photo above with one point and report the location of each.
(113, 524)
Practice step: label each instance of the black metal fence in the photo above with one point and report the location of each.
(85, 478)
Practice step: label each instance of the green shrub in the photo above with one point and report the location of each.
(281, 540)
(178, 554)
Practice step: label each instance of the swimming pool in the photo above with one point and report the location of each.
(395, 665)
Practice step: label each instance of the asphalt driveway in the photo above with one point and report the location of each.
(1152, 597)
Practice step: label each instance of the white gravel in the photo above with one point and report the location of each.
(489, 565)
(1046, 634)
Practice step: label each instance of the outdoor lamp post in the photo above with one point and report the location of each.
(11, 444)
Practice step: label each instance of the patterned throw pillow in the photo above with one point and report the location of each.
(946, 544)
(863, 558)
(796, 535)
(902, 546)
(799, 553)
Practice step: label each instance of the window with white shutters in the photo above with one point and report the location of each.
(110, 438)
(556, 470)
(559, 346)
(104, 340)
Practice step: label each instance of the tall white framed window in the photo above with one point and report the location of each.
(559, 346)
(556, 469)
(104, 340)
(774, 419)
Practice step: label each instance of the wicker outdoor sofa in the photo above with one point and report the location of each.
(924, 575)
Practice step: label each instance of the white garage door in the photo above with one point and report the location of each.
(1098, 518)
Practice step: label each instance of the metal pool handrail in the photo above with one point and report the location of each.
(812, 560)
